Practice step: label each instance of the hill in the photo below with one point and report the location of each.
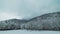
(11, 24)
(50, 21)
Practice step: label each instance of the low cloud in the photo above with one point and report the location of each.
(27, 8)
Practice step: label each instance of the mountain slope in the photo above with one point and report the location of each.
(50, 21)
(11, 24)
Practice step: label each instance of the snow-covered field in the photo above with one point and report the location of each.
(29, 32)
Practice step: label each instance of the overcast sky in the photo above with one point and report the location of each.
(27, 8)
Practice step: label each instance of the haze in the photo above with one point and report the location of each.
(26, 9)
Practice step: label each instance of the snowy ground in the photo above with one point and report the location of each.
(29, 32)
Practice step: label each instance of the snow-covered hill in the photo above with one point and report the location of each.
(11, 24)
(50, 21)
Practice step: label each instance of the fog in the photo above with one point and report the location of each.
(26, 9)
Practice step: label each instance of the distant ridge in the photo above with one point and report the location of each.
(11, 24)
(49, 21)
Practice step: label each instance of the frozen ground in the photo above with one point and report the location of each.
(29, 32)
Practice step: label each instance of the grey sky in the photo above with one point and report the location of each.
(27, 8)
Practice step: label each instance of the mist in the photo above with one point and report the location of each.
(26, 9)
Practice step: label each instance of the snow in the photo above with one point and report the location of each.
(28, 32)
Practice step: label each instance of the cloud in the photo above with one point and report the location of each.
(29, 8)
(8, 15)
